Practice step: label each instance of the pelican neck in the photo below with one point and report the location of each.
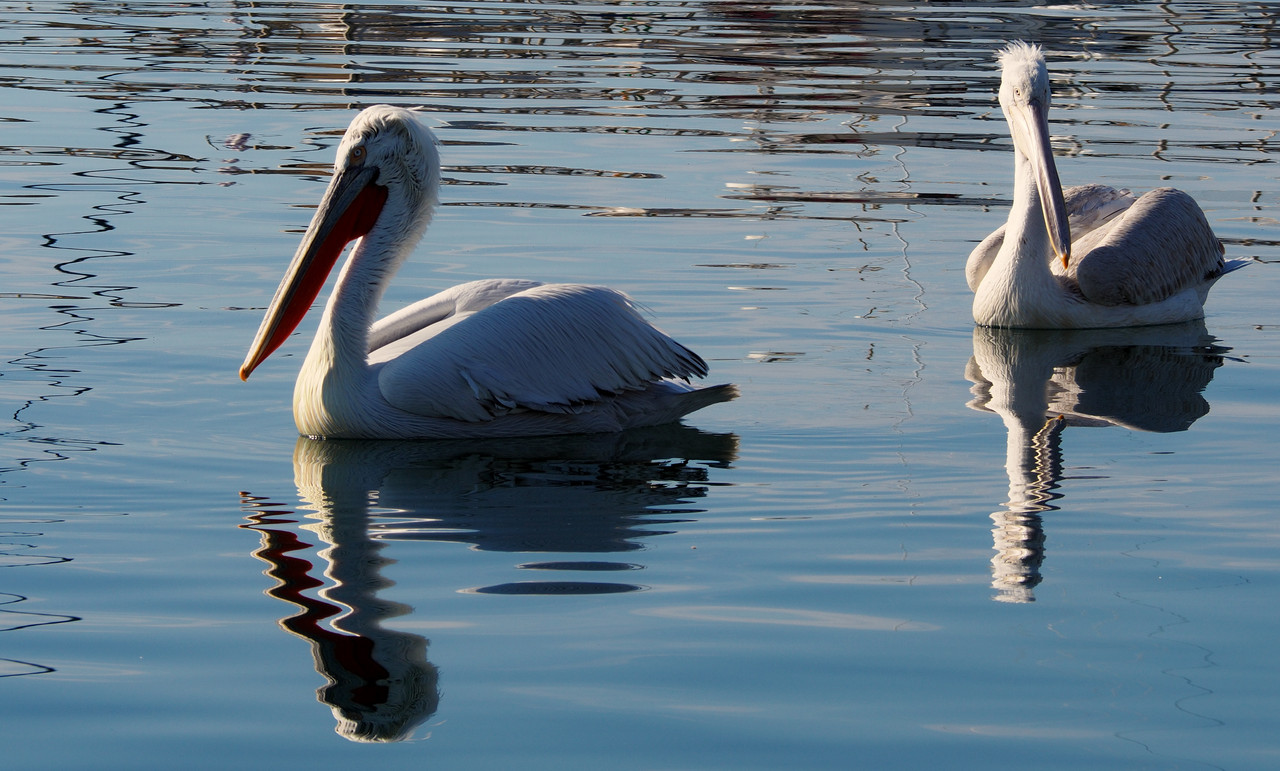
(1027, 236)
(353, 304)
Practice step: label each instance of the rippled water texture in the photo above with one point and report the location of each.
(908, 544)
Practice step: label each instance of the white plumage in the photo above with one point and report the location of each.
(1125, 261)
(499, 357)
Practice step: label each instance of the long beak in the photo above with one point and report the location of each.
(1052, 205)
(348, 211)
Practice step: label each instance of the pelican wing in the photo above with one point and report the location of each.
(980, 259)
(1089, 207)
(550, 348)
(1160, 246)
(387, 334)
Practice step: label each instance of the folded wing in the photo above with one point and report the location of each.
(549, 347)
(1089, 208)
(1158, 247)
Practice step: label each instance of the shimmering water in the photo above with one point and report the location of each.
(906, 545)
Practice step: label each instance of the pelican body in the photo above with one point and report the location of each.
(1089, 256)
(490, 358)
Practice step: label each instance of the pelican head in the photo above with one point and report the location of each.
(383, 191)
(1024, 98)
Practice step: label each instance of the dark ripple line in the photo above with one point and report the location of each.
(47, 619)
(37, 669)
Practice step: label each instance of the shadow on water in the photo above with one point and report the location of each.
(1041, 382)
(594, 494)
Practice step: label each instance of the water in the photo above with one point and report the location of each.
(869, 559)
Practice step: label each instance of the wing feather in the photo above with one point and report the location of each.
(1089, 207)
(456, 300)
(1160, 246)
(550, 347)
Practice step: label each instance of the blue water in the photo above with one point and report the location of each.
(851, 565)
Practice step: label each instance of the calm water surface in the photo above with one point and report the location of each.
(908, 544)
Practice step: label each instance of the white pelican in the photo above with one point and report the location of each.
(1125, 261)
(489, 358)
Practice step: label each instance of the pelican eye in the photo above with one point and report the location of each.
(357, 154)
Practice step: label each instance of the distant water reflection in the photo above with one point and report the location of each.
(1039, 382)
(576, 494)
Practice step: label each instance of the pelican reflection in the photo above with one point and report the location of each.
(592, 494)
(1041, 381)
(380, 684)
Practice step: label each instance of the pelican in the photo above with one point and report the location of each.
(1125, 261)
(491, 358)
